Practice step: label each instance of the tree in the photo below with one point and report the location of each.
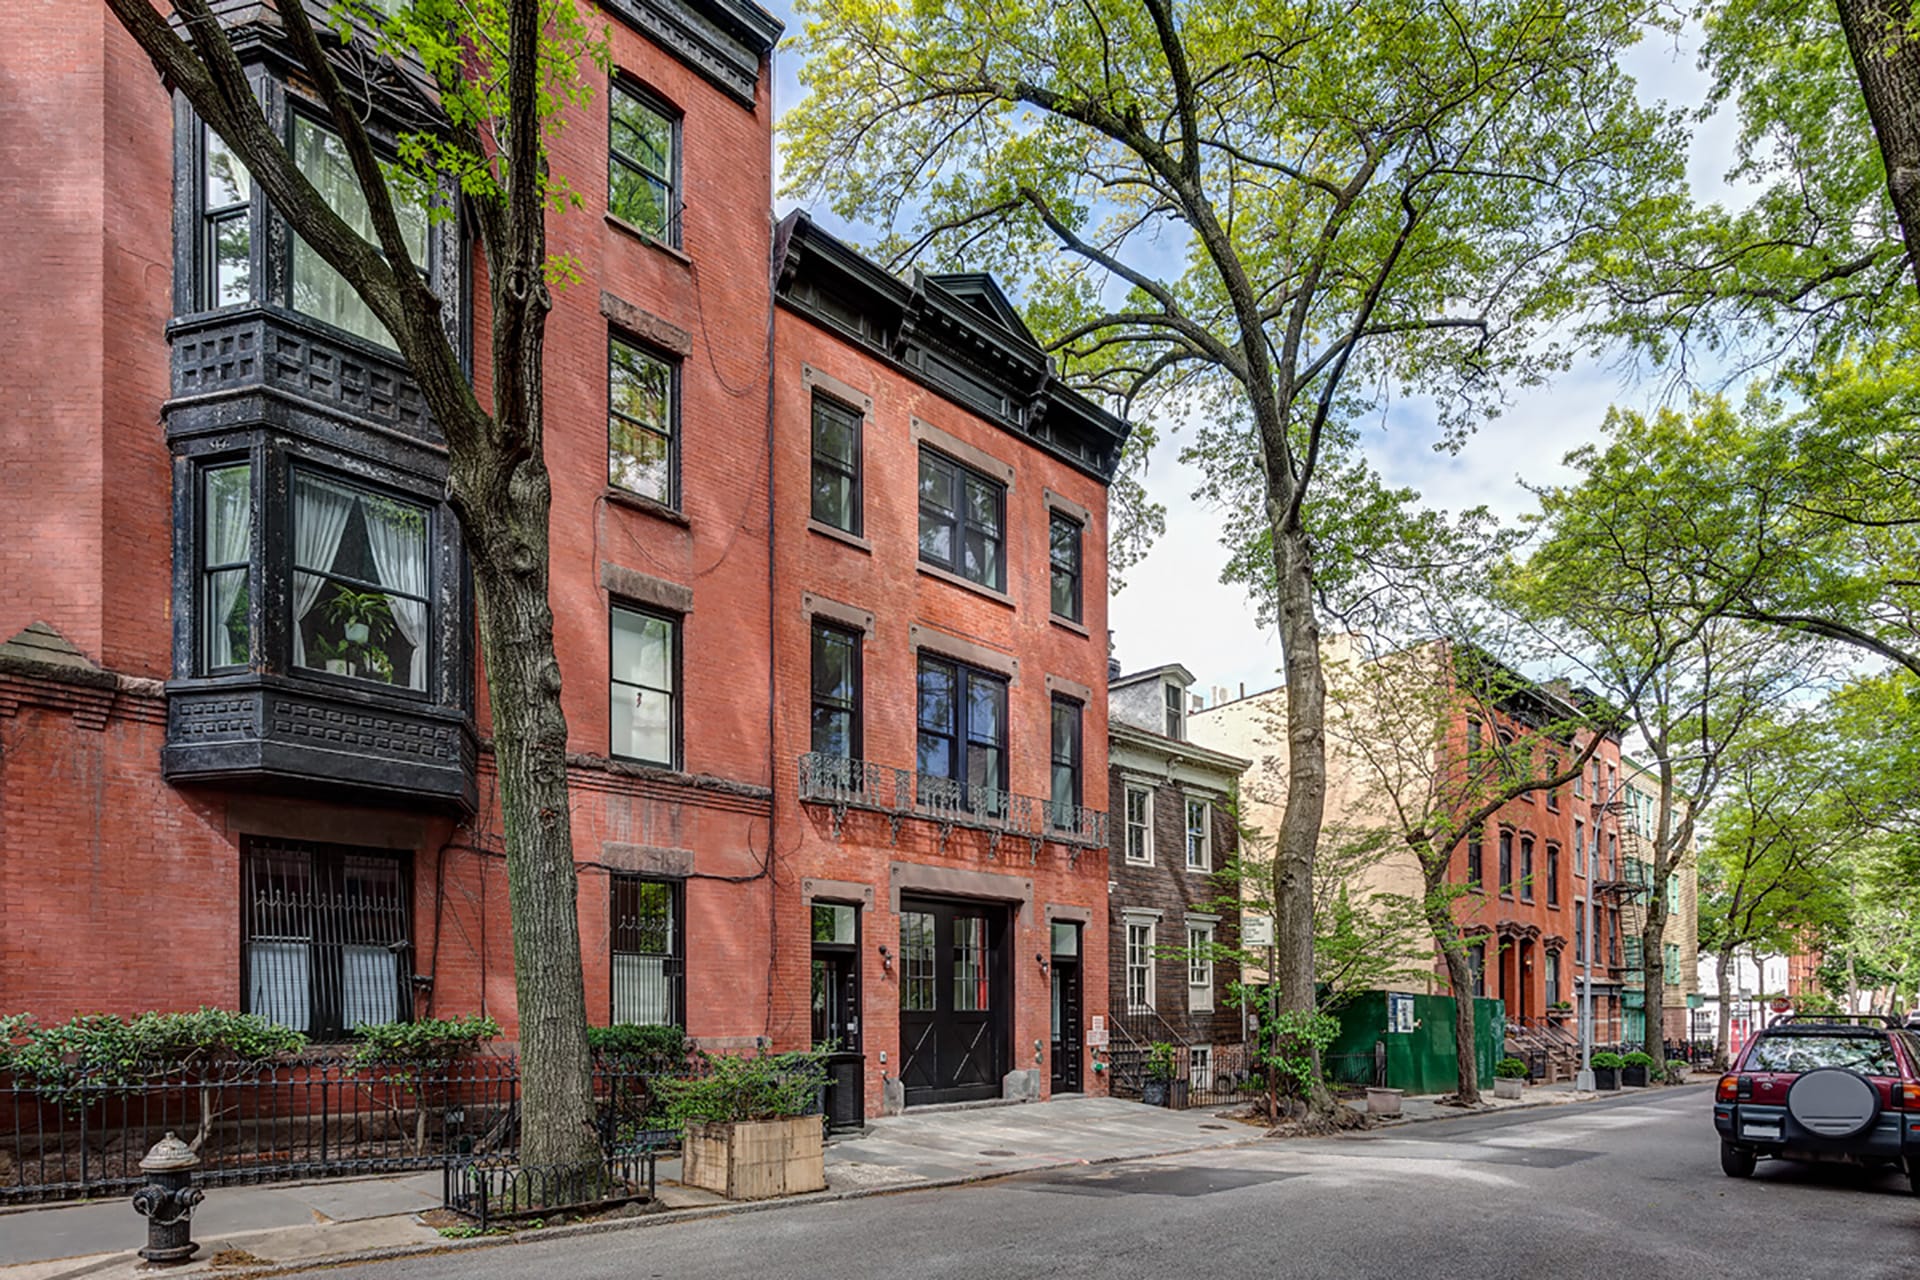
(504, 71)
(1273, 210)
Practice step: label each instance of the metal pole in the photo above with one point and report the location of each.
(1584, 1081)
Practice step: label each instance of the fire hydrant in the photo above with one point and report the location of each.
(167, 1200)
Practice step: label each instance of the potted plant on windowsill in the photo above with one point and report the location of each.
(1633, 1069)
(1560, 1010)
(1156, 1090)
(364, 616)
(1606, 1071)
(333, 656)
(1509, 1078)
(752, 1124)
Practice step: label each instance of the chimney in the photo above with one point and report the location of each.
(1113, 668)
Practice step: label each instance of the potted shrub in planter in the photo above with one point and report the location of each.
(1560, 1010)
(1157, 1089)
(1633, 1069)
(1509, 1078)
(752, 1125)
(1677, 1070)
(1606, 1071)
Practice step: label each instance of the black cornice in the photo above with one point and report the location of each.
(727, 41)
(945, 343)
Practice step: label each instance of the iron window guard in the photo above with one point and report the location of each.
(847, 785)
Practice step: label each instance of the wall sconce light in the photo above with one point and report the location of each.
(886, 958)
(1042, 958)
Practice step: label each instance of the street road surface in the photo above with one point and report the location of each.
(1624, 1188)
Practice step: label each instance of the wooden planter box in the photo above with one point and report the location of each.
(755, 1159)
(1503, 1087)
(1634, 1076)
(1606, 1079)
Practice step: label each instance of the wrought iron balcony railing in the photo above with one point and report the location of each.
(899, 794)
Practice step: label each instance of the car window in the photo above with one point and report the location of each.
(1870, 1055)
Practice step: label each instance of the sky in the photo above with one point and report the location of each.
(1213, 631)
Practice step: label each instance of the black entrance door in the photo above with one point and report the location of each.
(836, 1011)
(953, 1000)
(1066, 1008)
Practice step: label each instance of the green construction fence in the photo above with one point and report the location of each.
(1420, 1060)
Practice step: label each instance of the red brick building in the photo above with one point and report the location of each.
(243, 734)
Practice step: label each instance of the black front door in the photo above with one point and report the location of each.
(836, 1011)
(953, 1000)
(1066, 1008)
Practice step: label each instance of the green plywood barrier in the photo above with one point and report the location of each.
(1420, 1060)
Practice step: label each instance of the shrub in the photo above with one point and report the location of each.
(659, 1047)
(1160, 1061)
(767, 1086)
(103, 1050)
(1510, 1069)
(1677, 1069)
(1636, 1060)
(431, 1042)
(1609, 1061)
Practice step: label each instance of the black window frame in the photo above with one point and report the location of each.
(671, 362)
(204, 569)
(1553, 874)
(1058, 571)
(1506, 863)
(855, 421)
(1061, 814)
(675, 625)
(673, 959)
(1476, 863)
(959, 738)
(1477, 966)
(852, 707)
(620, 86)
(1526, 867)
(1579, 931)
(210, 218)
(327, 877)
(958, 521)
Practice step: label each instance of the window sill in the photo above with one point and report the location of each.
(647, 506)
(1205, 871)
(1069, 624)
(649, 239)
(1139, 862)
(853, 540)
(965, 584)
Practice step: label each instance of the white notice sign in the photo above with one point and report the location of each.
(1256, 930)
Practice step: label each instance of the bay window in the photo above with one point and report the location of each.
(318, 290)
(359, 582)
(226, 549)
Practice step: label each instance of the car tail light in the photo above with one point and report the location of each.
(1907, 1097)
(1744, 1088)
(1725, 1093)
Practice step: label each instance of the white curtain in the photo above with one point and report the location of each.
(398, 538)
(279, 988)
(640, 989)
(229, 529)
(320, 512)
(370, 987)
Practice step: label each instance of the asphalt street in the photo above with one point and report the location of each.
(1628, 1187)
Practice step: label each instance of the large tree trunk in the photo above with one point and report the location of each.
(1887, 60)
(1653, 969)
(1723, 1034)
(1460, 977)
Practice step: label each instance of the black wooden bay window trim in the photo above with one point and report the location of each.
(643, 186)
(224, 195)
(963, 730)
(1063, 568)
(836, 465)
(836, 702)
(644, 691)
(326, 937)
(647, 946)
(223, 538)
(963, 520)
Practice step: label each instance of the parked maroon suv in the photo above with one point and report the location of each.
(1819, 1088)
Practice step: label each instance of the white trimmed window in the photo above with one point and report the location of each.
(1139, 966)
(1199, 968)
(1199, 835)
(1200, 1066)
(1139, 825)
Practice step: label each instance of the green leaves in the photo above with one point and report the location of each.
(101, 1051)
(733, 1087)
(429, 1042)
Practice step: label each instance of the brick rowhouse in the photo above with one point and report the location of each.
(238, 683)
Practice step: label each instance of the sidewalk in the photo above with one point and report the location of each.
(243, 1229)
(1416, 1108)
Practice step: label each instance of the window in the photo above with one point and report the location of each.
(1139, 825)
(226, 544)
(836, 691)
(1200, 1066)
(1506, 864)
(643, 155)
(1176, 711)
(1526, 868)
(1200, 968)
(963, 734)
(1063, 555)
(1476, 862)
(1553, 977)
(1474, 733)
(649, 979)
(227, 233)
(1477, 967)
(1670, 963)
(1066, 763)
(1634, 953)
(1199, 836)
(319, 290)
(644, 678)
(916, 962)
(836, 465)
(1673, 892)
(1580, 784)
(643, 410)
(1553, 793)
(1613, 856)
(360, 590)
(1553, 875)
(962, 516)
(970, 994)
(1139, 966)
(326, 941)
(1579, 849)
(1579, 931)
(1867, 1054)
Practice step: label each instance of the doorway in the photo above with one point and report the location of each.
(1067, 1037)
(953, 1000)
(836, 1011)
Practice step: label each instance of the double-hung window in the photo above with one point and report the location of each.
(643, 160)
(962, 521)
(836, 691)
(1553, 875)
(226, 544)
(1476, 862)
(1139, 824)
(360, 582)
(227, 209)
(1063, 555)
(1579, 931)
(1553, 977)
(326, 937)
(1506, 864)
(1477, 967)
(1065, 747)
(836, 465)
(1579, 849)
(1526, 868)
(963, 736)
(649, 972)
(1199, 967)
(1199, 835)
(1176, 711)
(644, 683)
(1140, 960)
(319, 290)
(643, 428)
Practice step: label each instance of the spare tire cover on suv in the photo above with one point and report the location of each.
(1833, 1102)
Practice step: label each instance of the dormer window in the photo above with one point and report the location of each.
(1176, 711)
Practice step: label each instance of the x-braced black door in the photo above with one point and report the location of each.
(953, 1000)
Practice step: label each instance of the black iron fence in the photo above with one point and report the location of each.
(1356, 1070)
(308, 1117)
